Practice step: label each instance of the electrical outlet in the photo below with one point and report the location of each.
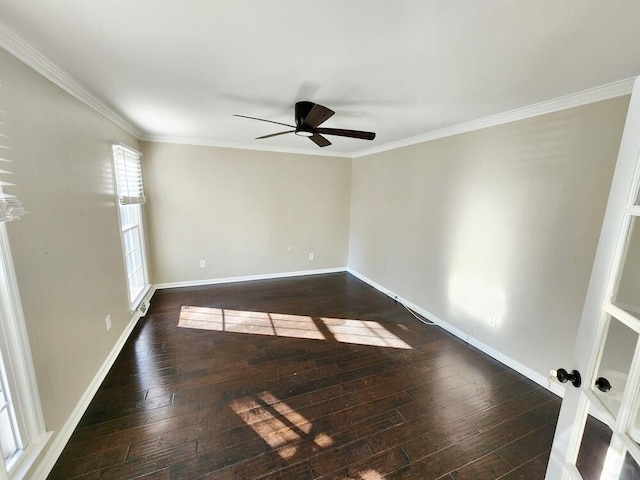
(312, 256)
(491, 320)
(203, 264)
(108, 322)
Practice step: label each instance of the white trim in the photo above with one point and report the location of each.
(27, 54)
(53, 453)
(540, 379)
(19, 365)
(144, 305)
(143, 300)
(585, 97)
(248, 278)
(243, 146)
(635, 310)
(135, 302)
(28, 457)
(19, 355)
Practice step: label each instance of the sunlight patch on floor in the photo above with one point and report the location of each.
(323, 440)
(277, 423)
(284, 325)
(270, 428)
(370, 474)
(257, 323)
(363, 333)
(285, 411)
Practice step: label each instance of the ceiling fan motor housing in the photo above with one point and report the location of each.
(301, 111)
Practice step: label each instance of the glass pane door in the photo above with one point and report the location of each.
(610, 445)
(615, 362)
(627, 294)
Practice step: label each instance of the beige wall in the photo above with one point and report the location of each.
(244, 212)
(499, 222)
(502, 222)
(67, 250)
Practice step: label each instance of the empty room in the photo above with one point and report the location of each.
(319, 240)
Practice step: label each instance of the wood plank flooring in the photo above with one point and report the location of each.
(318, 377)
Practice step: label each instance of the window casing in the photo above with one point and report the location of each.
(24, 440)
(22, 429)
(10, 440)
(130, 191)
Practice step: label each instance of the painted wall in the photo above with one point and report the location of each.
(244, 212)
(501, 222)
(67, 250)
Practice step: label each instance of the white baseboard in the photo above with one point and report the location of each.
(540, 379)
(60, 441)
(266, 276)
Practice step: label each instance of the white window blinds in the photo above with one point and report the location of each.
(128, 175)
(10, 206)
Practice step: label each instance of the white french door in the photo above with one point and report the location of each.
(607, 349)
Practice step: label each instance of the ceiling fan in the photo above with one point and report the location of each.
(309, 116)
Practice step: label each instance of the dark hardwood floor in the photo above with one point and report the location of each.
(318, 377)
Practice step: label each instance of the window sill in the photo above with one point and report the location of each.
(27, 458)
(140, 298)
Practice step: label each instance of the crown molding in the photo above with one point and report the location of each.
(241, 146)
(592, 95)
(24, 52)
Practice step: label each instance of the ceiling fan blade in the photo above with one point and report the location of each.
(274, 134)
(317, 115)
(347, 133)
(263, 120)
(320, 140)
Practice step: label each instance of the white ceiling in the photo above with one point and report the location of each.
(178, 70)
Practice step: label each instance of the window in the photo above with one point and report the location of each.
(130, 198)
(22, 430)
(10, 440)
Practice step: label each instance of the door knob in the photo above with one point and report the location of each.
(603, 384)
(574, 377)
